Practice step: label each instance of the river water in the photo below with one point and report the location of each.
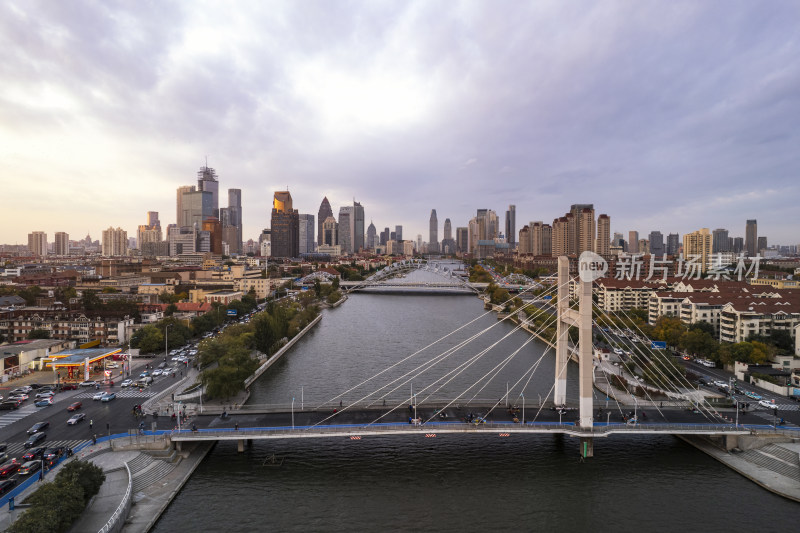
(451, 482)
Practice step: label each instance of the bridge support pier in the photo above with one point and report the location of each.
(240, 446)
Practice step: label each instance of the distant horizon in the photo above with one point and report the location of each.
(666, 116)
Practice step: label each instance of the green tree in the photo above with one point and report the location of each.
(699, 342)
(39, 334)
(170, 310)
(669, 330)
(149, 339)
(334, 297)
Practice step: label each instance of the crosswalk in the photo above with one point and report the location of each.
(127, 393)
(17, 414)
(17, 449)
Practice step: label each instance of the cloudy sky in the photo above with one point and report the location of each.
(666, 115)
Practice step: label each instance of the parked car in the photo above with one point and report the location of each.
(126, 383)
(7, 485)
(107, 397)
(9, 405)
(21, 396)
(74, 406)
(89, 383)
(38, 426)
(35, 439)
(29, 468)
(45, 394)
(74, 419)
(25, 389)
(34, 454)
(9, 469)
(44, 402)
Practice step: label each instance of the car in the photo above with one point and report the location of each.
(34, 454)
(9, 469)
(157, 372)
(168, 370)
(34, 439)
(38, 426)
(20, 396)
(24, 389)
(7, 485)
(54, 453)
(719, 383)
(618, 351)
(98, 395)
(161, 366)
(74, 419)
(44, 402)
(29, 468)
(74, 406)
(67, 386)
(3, 458)
(3, 446)
(45, 394)
(88, 383)
(112, 365)
(752, 395)
(9, 405)
(768, 404)
(686, 358)
(126, 383)
(144, 374)
(107, 397)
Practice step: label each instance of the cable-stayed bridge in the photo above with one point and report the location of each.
(668, 404)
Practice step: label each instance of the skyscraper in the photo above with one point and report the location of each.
(698, 245)
(37, 243)
(633, 242)
(656, 243)
(511, 225)
(235, 220)
(324, 212)
(462, 240)
(207, 181)
(197, 206)
(398, 230)
(214, 229)
(306, 234)
(345, 229)
(372, 236)
(179, 210)
(751, 238)
(152, 219)
(603, 244)
(448, 244)
(673, 242)
(720, 238)
(535, 238)
(115, 242)
(433, 242)
(357, 224)
(61, 243)
(560, 242)
(762, 244)
(330, 232)
(285, 226)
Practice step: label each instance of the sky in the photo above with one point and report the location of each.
(666, 115)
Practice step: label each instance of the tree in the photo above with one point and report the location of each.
(669, 330)
(334, 297)
(149, 339)
(39, 334)
(335, 283)
(704, 326)
(170, 310)
(699, 342)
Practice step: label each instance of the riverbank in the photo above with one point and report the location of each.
(770, 461)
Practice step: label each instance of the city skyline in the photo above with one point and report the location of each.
(541, 107)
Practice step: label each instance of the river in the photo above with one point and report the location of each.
(451, 482)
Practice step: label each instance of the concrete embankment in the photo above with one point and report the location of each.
(769, 460)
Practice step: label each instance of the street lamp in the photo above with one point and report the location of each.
(523, 409)
(166, 338)
(635, 409)
(293, 412)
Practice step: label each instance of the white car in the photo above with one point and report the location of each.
(98, 395)
(768, 404)
(157, 372)
(126, 383)
(74, 419)
(167, 371)
(49, 394)
(618, 351)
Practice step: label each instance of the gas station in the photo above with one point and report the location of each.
(77, 365)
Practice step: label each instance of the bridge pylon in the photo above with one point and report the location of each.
(581, 319)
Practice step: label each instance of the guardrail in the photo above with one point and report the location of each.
(123, 507)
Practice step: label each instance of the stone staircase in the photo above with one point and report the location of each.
(775, 458)
(146, 469)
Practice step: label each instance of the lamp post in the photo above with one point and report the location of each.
(166, 338)
(415, 407)
(635, 409)
(301, 398)
(292, 412)
(523, 409)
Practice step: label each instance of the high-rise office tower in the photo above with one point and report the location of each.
(214, 229)
(762, 244)
(182, 240)
(448, 229)
(673, 243)
(751, 238)
(698, 244)
(603, 243)
(511, 225)
(115, 242)
(234, 216)
(448, 245)
(285, 226)
(197, 206)
(633, 242)
(330, 232)
(433, 241)
(372, 236)
(462, 240)
(61, 243)
(385, 235)
(398, 230)
(307, 239)
(345, 229)
(207, 181)
(357, 227)
(720, 238)
(152, 219)
(324, 212)
(656, 243)
(179, 211)
(738, 245)
(37, 243)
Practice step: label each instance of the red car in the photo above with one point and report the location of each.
(68, 386)
(74, 406)
(9, 469)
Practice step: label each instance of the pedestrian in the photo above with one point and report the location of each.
(94, 439)
(41, 475)
(236, 426)
(91, 423)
